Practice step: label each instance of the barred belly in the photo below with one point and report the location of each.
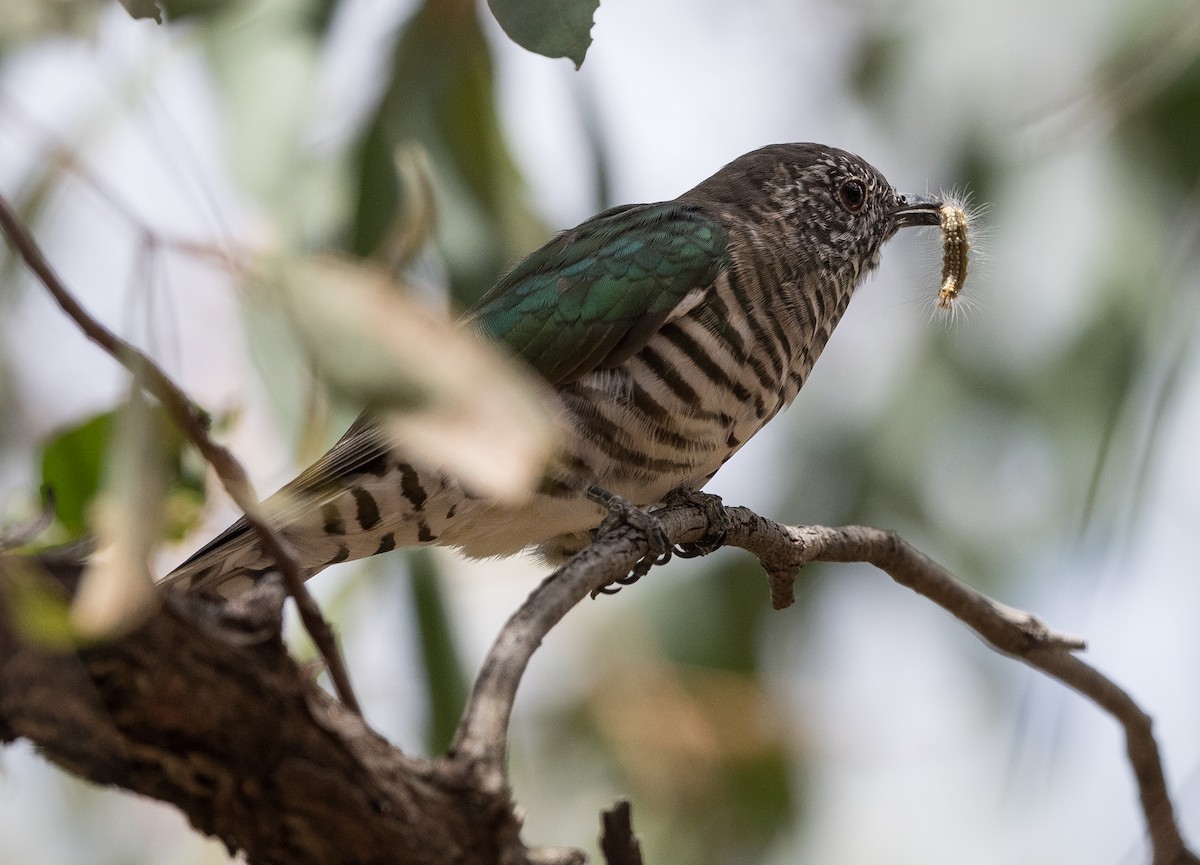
(675, 412)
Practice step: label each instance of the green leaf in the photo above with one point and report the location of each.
(441, 94)
(73, 465)
(552, 28)
(179, 9)
(139, 9)
(445, 678)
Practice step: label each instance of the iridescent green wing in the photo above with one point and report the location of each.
(594, 295)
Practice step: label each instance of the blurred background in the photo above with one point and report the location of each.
(1042, 444)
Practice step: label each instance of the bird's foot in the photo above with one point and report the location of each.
(718, 522)
(621, 512)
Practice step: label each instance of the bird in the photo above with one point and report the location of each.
(670, 333)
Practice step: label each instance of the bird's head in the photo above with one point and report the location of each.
(835, 209)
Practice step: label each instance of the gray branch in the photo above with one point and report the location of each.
(782, 551)
(203, 707)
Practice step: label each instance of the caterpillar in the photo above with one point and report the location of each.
(954, 253)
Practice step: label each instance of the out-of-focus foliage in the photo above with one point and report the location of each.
(75, 460)
(143, 9)
(711, 739)
(555, 28)
(441, 94)
(445, 679)
(179, 10)
(29, 19)
(450, 399)
(41, 613)
(117, 592)
(988, 458)
(123, 481)
(1166, 129)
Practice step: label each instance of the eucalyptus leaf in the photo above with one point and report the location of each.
(552, 28)
(72, 466)
(441, 95)
(139, 9)
(451, 399)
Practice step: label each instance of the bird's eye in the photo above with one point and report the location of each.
(853, 194)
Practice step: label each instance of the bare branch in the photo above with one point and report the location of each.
(194, 424)
(782, 550)
(482, 735)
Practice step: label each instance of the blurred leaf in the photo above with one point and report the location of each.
(117, 591)
(552, 28)
(760, 795)
(445, 679)
(878, 53)
(263, 58)
(139, 9)
(179, 9)
(698, 741)
(414, 224)
(729, 595)
(1168, 127)
(40, 611)
(22, 20)
(1152, 82)
(73, 466)
(451, 399)
(441, 94)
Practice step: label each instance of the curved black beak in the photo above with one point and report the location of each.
(917, 210)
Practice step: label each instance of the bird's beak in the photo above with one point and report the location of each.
(917, 210)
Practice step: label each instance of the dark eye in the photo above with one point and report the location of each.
(853, 194)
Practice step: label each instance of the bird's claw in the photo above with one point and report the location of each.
(621, 512)
(718, 522)
(707, 544)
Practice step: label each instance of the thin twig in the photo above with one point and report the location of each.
(27, 532)
(55, 150)
(782, 550)
(194, 424)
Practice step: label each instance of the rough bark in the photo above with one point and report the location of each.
(203, 707)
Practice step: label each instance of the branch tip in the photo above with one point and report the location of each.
(618, 841)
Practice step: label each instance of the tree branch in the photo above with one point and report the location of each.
(782, 550)
(193, 422)
(202, 707)
(618, 840)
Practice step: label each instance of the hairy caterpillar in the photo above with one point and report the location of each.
(954, 255)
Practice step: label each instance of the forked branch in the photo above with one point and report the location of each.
(782, 550)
